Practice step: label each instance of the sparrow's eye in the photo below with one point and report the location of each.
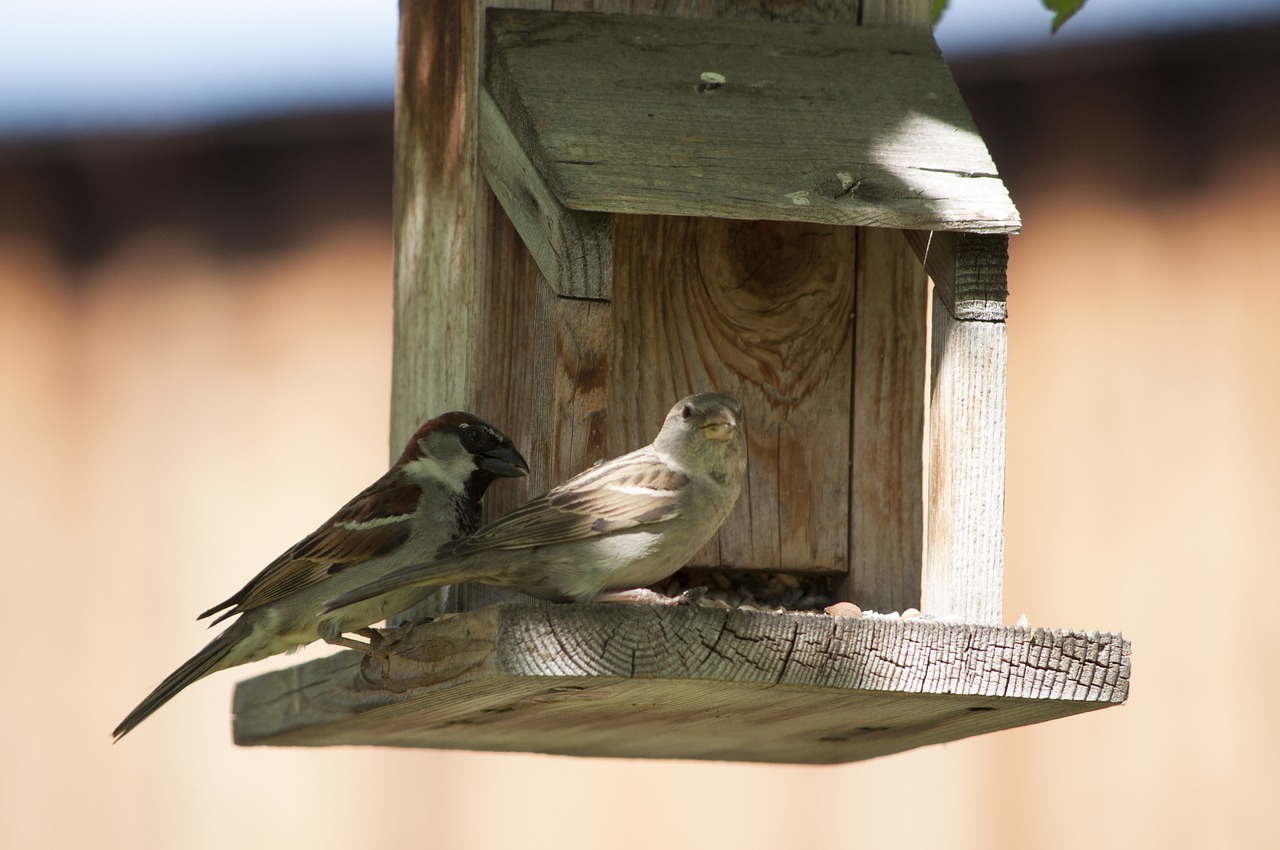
(687, 412)
(471, 438)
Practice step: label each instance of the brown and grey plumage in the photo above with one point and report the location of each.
(618, 526)
(431, 495)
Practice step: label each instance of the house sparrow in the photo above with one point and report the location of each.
(606, 533)
(429, 496)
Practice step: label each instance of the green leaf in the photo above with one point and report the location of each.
(1062, 10)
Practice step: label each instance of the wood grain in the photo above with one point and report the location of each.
(761, 311)
(574, 249)
(638, 681)
(435, 261)
(833, 124)
(450, 248)
(964, 570)
(891, 352)
(570, 390)
(981, 292)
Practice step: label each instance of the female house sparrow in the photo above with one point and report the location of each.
(429, 496)
(618, 526)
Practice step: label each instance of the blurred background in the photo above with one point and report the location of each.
(195, 320)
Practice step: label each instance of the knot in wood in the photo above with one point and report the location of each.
(777, 299)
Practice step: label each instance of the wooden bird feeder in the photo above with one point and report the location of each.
(597, 214)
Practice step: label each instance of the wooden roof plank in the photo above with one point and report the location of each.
(744, 119)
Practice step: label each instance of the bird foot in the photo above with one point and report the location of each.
(377, 641)
(392, 635)
(376, 651)
(645, 596)
(375, 667)
(374, 639)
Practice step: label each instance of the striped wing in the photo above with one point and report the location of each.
(373, 523)
(632, 490)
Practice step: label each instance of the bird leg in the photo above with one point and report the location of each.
(379, 642)
(377, 651)
(374, 641)
(645, 596)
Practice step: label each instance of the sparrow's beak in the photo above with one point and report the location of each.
(503, 461)
(719, 425)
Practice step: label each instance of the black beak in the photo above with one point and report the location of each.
(503, 461)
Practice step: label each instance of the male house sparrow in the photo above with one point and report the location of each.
(618, 526)
(429, 496)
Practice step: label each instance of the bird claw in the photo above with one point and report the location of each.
(690, 596)
(392, 635)
(350, 643)
(378, 653)
(645, 596)
(379, 649)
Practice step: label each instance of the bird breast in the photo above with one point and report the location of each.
(614, 562)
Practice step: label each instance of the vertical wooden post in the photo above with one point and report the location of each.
(964, 571)
(465, 285)
(457, 256)
(434, 214)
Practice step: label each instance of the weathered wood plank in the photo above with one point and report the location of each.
(570, 388)
(744, 119)
(891, 342)
(435, 262)
(964, 568)
(891, 353)
(936, 250)
(639, 681)
(762, 311)
(574, 249)
(969, 271)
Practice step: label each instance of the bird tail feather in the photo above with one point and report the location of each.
(197, 667)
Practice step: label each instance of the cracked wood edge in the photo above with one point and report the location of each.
(969, 271)
(482, 664)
